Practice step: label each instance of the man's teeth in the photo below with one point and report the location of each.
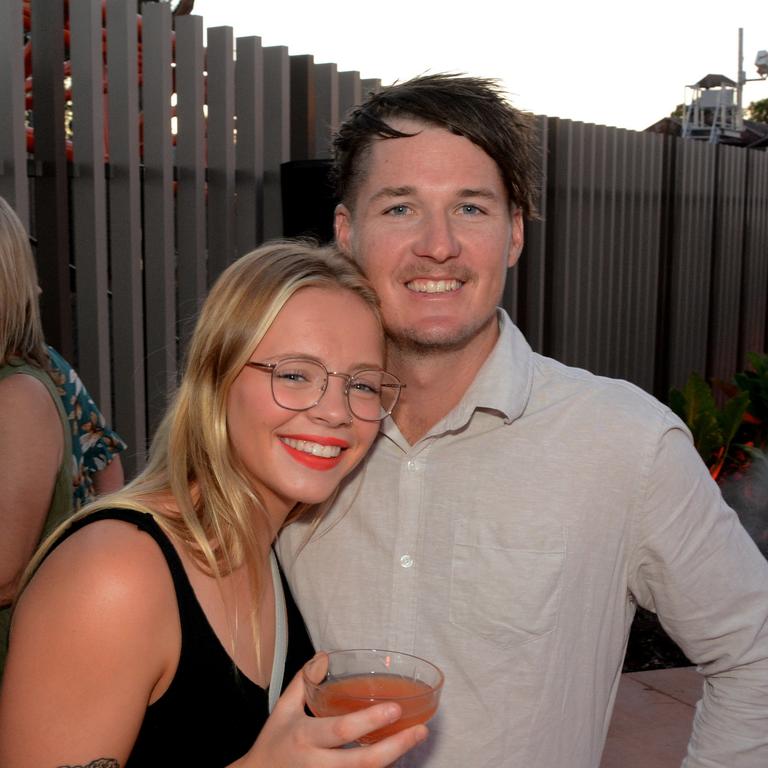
(434, 286)
(326, 451)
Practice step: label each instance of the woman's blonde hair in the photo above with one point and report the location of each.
(215, 511)
(21, 332)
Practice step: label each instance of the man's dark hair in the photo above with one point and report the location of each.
(472, 107)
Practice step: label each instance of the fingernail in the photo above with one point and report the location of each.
(392, 713)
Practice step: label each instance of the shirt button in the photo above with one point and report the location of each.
(406, 561)
(412, 465)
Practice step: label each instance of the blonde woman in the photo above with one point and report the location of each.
(169, 648)
(35, 458)
(42, 476)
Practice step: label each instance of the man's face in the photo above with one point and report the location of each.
(432, 228)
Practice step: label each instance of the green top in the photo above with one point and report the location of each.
(61, 500)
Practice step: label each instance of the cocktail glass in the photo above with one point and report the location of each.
(338, 682)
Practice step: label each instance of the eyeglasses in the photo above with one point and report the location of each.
(299, 384)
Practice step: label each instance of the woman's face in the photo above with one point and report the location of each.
(301, 456)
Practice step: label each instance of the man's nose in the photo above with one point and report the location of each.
(436, 238)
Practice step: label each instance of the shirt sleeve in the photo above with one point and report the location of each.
(696, 566)
(94, 442)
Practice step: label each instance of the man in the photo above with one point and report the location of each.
(515, 510)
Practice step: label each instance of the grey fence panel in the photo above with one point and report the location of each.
(639, 249)
(277, 133)
(724, 317)
(303, 111)
(129, 407)
(190, 162)
(249, 151)
(89, 202)
(326, 108)
(534, 264)
(350, 91)
(603, 201)
(221, 150)
(51, 193)
(158, 210)
(690, 260)
(754, 305)
(566, 223)
(14, 186)
(650, 259)
(524, 296)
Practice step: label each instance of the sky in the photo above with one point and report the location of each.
(608, 62)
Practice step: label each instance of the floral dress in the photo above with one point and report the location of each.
(94, 444)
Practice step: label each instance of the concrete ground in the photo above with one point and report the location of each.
(652, 718)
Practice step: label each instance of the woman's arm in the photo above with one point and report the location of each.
(94, 637)
(31, 446)
(111, 478)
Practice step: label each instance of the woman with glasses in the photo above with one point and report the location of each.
(153, 628)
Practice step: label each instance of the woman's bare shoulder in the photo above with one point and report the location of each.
(94, 636)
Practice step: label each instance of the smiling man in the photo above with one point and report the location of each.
(514, 512)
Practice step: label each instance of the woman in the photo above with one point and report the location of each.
(35, 458)
(282, 396)
(44, 472)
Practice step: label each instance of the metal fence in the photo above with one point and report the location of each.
(650, 259)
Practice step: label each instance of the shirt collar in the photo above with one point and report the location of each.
(502, 385)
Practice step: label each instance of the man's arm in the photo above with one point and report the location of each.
(698, 568)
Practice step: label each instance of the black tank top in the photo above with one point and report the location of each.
(211, 713)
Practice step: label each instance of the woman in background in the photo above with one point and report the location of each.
(35, 453)
(155, 629)
(42, 476)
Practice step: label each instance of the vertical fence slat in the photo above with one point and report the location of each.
(730, 184)
(753, 334)
(158, 210)
(277, 133)
(303, 107)
(190, 159)
(89, 208)
(221, 150)
(249, 150)
(125, 230)
(14, 186)
(524, 289)
(327, 107)
(350, 91)
(691, 258)
(370, 85)
(51, 195)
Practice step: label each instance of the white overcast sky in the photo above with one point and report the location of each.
(600, 61)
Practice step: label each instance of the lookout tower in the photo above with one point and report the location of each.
(712, 111)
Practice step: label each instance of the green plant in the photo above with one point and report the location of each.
(713, 428)
(755, 384)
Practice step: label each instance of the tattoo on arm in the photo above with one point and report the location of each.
(102, 762)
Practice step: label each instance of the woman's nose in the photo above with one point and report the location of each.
(333, 407)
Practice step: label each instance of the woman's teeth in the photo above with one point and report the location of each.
(326, 451)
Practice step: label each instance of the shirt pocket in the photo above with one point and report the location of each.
(506, 579)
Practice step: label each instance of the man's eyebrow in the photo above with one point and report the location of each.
(386, 193)
(487, 194)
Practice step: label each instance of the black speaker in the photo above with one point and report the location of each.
(308, 199)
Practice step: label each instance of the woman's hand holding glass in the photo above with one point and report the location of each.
(292, 739)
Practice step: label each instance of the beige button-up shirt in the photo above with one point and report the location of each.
(509, 546)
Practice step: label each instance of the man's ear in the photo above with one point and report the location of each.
(342, 227)
(518, 238)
